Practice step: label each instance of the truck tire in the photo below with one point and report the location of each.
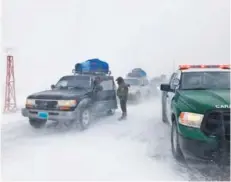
(85, 118)
(37, 123)
(176, 151)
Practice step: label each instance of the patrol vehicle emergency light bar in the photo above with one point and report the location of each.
(222, 66)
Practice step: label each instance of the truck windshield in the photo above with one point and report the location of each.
(132, 81)
(72, 82)
(205, 80)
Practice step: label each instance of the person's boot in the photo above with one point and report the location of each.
(123, 117)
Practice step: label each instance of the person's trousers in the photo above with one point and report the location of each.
(123, 105)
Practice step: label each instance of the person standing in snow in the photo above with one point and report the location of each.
(97, 86)
(122, 93)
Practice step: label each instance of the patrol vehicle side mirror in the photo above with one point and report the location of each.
(165, 87)
(52, 86)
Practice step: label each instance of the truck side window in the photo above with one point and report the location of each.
(107, 85)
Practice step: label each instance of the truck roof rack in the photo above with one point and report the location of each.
(90, 73)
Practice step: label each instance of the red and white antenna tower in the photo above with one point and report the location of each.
(10, 95)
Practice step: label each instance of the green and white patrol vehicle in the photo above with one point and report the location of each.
(196, 104)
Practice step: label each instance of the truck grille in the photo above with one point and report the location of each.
(46, 104)
(217, 123)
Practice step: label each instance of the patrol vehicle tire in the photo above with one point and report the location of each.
(37, 123)
(85, 118)
(176, 151)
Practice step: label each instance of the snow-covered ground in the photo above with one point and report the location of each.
(136, 149)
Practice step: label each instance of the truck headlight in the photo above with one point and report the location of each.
(191, 119)
(30, 102)
(68, 103)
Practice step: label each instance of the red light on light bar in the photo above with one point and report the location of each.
(223, 66)
(181, 67)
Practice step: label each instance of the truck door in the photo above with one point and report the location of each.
(106, 99)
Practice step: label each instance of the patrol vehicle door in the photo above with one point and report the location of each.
(169, 97)
(106, 98)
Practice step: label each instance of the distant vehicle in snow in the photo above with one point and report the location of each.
(139, 88)
(139, 84)
(75, 98)
(155, 84)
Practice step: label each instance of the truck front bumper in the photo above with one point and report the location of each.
(195, 150)
(52, 115)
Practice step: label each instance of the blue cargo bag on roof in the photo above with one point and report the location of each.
(92, 65)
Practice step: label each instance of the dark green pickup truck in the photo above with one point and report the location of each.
(196, 103)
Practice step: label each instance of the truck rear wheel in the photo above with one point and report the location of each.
(37, 123)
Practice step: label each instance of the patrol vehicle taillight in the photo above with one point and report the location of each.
(222, 66)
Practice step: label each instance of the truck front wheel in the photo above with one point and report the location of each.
(37, 123)
(176, 151)
(85, 118)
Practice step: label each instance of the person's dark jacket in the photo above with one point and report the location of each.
(122, 91)
(97, 86)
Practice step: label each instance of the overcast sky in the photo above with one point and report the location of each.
(49, 36)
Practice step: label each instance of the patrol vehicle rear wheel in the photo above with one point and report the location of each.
(37, 123)
(176, 151)
(85, 118)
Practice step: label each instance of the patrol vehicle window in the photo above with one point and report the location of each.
(205, 80)
(71, 82)
(132, 82)
(107, 84)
